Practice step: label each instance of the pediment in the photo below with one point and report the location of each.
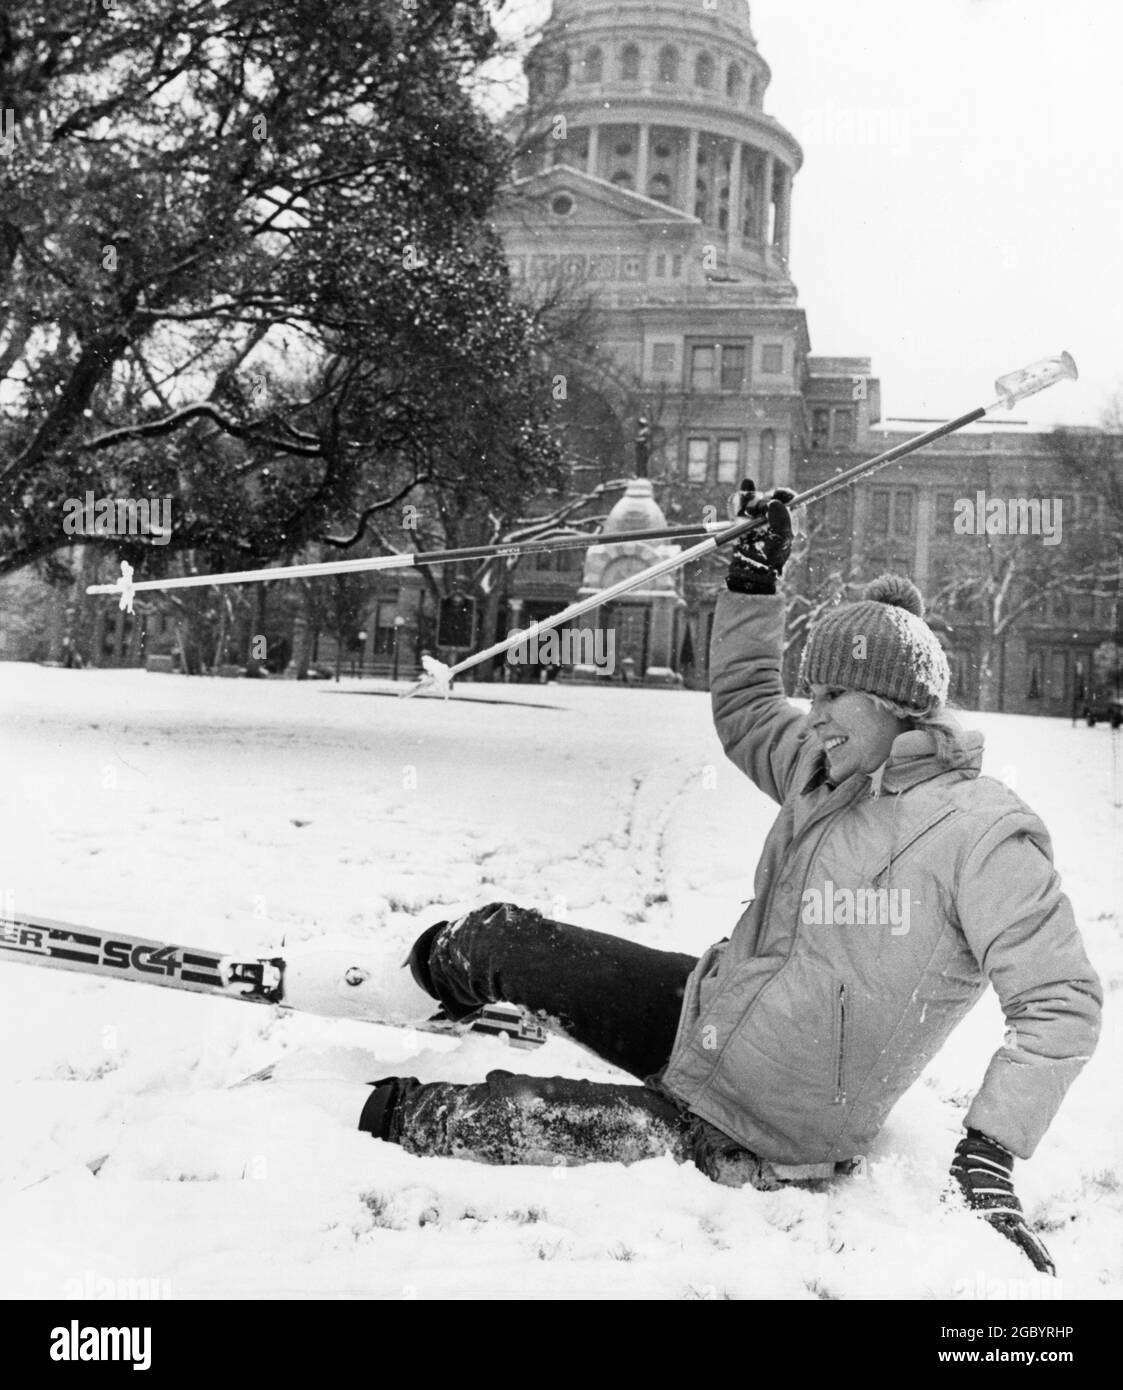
(595, 201)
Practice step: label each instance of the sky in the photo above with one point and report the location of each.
(959, 212)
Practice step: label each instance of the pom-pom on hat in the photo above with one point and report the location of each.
(881, 645)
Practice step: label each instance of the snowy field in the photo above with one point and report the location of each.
(230, 814)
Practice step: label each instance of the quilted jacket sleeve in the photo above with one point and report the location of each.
(1021, 929)
(761, 732)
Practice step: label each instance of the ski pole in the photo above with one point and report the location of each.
(1011, 388)
(413, 559)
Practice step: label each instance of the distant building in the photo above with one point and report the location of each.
(654, 180)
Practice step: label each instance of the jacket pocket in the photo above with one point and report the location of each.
(899, 851)
(840, 1045)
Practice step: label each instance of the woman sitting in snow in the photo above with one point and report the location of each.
(895, 882)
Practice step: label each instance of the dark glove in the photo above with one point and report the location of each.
(760, 556)
(984, 1173)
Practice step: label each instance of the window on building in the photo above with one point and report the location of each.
(832, 515)
(754, 92)
(593, 66)
(622, 178)
(629, 63)
(734, 82)
(879, 511)
(902, 512)
(772, 357)
(728, 460)
(945, 513)
(732, 367)
(1083, 607)
(384, 629)
(820, 428)
(768, 451)
(697, 460)
(719, 366)
(1059, 605)
(676, 267)
(659, 188)
(723, 208)
(702, 201)
(704, 71)
(663, 357)
(748, 220)
(843, 427)
(1058, 676)
(1087, 510)
(702, 368)
(668, 64)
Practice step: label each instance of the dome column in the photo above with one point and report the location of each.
(733, 230)
(766, 196)
(643, 157)
(783, 212)
(687, 204)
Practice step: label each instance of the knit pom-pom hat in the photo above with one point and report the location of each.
(881, 645)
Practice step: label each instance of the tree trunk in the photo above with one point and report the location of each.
(56, 625)
(253, 661)
(988, 673)
(119, 637)
(136, 641)
(97, 637)
(489, 633)
(297, 669)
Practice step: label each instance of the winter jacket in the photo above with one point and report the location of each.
(834, 992)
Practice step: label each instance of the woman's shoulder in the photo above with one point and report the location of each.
(989, 808)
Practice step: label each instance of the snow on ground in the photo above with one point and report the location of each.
(232, 814)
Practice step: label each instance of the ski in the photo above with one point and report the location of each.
(334, 983)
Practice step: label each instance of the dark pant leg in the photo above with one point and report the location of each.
(527, 1119)
(618, 998)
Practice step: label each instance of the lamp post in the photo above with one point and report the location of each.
(399, 623)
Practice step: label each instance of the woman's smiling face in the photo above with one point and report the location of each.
(856, 732)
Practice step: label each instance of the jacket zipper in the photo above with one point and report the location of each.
(839, 1092)
(902, 850)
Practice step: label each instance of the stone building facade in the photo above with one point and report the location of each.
(654, 181)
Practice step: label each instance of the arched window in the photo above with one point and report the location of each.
(659, 188)
(704, 71)
(748, 225)
(668, 64)
(734, 82)
(702, 200)
(767, 453)
(754, 92)
(629, 63)
(594, 65)
(723, 207)
(622, 178)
